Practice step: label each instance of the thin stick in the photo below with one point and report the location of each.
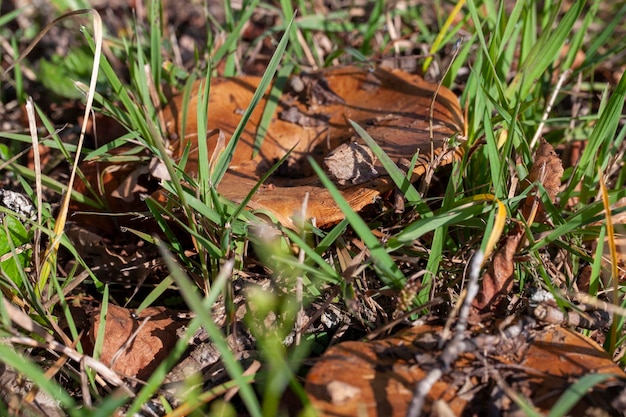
(548, 109)
(454, 347)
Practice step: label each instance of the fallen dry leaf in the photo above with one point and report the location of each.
(497, 282)
(140, 356)
(378, 378)
(547, 169)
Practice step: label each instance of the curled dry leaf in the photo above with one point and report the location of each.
(134, 348)
(312, 118)
(378, 378)
(547, 169)
(497, 282)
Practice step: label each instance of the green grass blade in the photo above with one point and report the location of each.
(575, 392)
(189, 292)
(224, 160)
(156, 379)
(603, 133)
(545, 51)
(397, 176)
(388, 271)
(270, 106)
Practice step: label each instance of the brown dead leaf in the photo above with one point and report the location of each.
(497, 282)
(547, 169)
(378, 378)
(139, 356)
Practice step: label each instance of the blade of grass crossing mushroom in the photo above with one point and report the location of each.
(270, 106)
(50, 261)
(224, 160)
(398, 177)
(155, 293)
(389, 272)
(241, 206)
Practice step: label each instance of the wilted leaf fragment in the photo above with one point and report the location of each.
(136, 353)
(547, 169)
(497, 282)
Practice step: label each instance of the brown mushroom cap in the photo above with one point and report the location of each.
(312, 117)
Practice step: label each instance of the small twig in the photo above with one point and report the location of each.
(22, 320)
(591, 320)
(548, 109)
(454, 347)
(126, 346)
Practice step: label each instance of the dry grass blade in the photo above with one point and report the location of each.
(49, 259)
(610, 231)
(32, 127)
(496, 232)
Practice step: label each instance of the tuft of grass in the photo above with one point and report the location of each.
(509, 56)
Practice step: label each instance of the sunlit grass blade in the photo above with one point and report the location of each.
(496, 230)
(189, 292)
(436, 45)
(224, 160)
(59, 226)
(242, 205)
(575, 392)
(383, 262)
(545, 51)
